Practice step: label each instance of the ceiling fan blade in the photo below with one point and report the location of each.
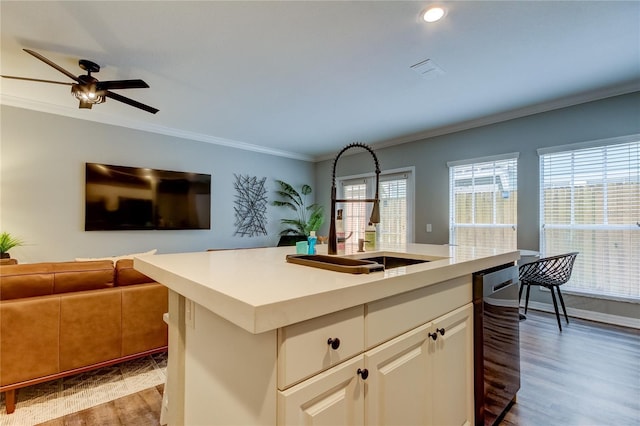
(36, 79)
(121, 84)
(131, 102)
(51, 64)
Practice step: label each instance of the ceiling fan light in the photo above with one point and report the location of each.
(86, 96)
(433, 13)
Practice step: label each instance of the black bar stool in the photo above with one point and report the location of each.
(549, 272)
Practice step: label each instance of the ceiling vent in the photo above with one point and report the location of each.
(427, 69)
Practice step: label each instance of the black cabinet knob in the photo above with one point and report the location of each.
(364, 373)
(434, 336)
(440, 330)
(335, 343)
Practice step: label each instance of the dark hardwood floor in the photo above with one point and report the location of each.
(586, 375)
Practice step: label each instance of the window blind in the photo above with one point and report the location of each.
(590, 203)
(395, 207)
(393, 210)
(355, 214)
(483, 200)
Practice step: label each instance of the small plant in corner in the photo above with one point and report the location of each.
(309, 217)
(7, 242)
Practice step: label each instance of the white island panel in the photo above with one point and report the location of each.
(228, 318)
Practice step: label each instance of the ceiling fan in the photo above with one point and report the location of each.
(87, 89)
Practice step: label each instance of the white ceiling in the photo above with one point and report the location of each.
(303, 79)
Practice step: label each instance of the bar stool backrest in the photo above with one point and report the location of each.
(552, 270)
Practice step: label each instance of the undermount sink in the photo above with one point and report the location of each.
(394, 261)
(335, 263)
(352, 265)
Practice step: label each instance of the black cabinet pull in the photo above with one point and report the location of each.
(434, 336)
(440, 330)
(335, 343)
(364, 373)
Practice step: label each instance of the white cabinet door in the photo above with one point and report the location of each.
(334, 397)
(399, 384)
(416, 380)
(422, 377)
(453, 368)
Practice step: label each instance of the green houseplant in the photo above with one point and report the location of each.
(308, 217)
(7, 242)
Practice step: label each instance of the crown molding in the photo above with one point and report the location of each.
(99, 117)
(564, 102)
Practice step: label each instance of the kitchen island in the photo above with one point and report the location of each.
(256, 340)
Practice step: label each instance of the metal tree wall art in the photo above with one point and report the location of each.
(250, 206)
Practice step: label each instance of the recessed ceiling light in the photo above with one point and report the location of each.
(433, 13)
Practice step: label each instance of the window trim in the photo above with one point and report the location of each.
(487, 159)
(588, 144)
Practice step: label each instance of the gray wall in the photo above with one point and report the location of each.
(42, 160)
(607, 118)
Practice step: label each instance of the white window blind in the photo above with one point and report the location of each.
(355, 215)
(483, 200)
(395, 207)
(590, 203)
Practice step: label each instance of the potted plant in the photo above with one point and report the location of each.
(7, 242)
(308, 217)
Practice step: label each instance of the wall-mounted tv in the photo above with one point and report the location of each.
(136, 198)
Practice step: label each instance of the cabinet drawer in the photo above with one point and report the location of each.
(390, 317)
(304, 348)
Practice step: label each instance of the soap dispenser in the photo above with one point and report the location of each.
(370, 237)
(312, 239)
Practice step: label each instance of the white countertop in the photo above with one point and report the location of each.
(256, 289)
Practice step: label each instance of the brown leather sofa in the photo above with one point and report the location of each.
(64, 318)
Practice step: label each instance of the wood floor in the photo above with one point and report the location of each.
(138, 409)
(588, 375)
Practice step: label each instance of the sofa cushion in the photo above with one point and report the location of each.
(39, 279)
(27, 280)
(126, 275)
(79, 276)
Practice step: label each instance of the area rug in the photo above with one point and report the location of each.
(50, 400)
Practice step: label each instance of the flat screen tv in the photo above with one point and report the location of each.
(136, 198)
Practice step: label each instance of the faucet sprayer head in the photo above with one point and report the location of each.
(375, 212)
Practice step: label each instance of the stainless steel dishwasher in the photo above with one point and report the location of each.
(496, 342)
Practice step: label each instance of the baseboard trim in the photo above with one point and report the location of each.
(589, 315)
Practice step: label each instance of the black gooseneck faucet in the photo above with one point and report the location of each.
(375, 212)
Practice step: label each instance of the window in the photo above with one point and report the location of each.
(590, 203)
(396, 207)
(483, 200)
